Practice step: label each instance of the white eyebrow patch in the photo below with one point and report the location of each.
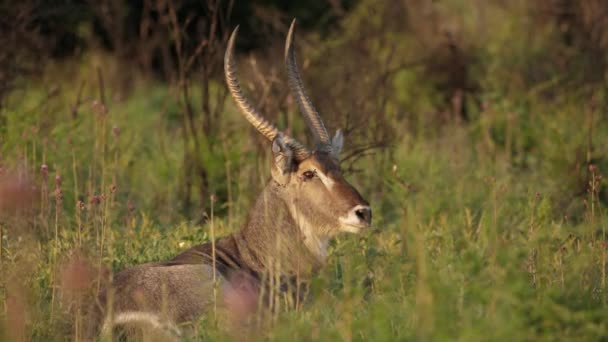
(326, 180)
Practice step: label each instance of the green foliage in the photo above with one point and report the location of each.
(486, 227)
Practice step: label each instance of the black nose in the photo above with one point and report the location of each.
(364, 214)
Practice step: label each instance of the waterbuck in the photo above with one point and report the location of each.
(306, 202)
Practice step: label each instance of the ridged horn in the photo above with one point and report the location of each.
(266, 128)
(313, 119)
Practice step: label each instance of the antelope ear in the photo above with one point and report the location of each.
(283, 161)
(336, 144)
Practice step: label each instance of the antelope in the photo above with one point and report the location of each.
(305, 203)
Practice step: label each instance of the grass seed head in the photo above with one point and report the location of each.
(44, 171)
(99, 108)
(130, 207)
(80, 205)
(94, 200)
(593, 168)
(116, 132)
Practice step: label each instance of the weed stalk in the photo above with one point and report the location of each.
(215, 284)
(56, 246)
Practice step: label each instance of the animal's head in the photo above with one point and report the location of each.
(312, 180)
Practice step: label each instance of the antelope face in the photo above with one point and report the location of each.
(327, 199)
(320, 196)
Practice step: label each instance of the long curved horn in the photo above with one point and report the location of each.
(252, 115)
(295, 83)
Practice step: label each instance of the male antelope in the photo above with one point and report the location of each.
(306, 203)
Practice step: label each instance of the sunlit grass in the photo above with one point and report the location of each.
(489, 230)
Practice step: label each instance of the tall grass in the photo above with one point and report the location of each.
(466, 243)
(489, 228)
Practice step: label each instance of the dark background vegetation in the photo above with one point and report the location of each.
(477, 129)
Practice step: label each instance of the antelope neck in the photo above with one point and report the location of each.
(270, 242)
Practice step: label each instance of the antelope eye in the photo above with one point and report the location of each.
(307, 175)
